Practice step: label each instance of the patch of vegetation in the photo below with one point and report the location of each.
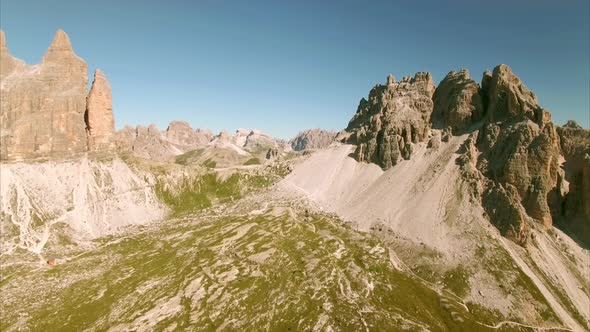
(485, 315)
(188, 157)
(252, 161)
(457, 280)
(193, 194)
(210, 163)
(271, 272)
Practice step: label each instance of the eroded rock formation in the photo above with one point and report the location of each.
(396, 116)
(573, 188)
(100, 123)
(457, 102)
(43, 106)
(523, 167)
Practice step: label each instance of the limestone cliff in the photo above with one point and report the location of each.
(43, 106)
(100, 123)
(457, 102)
(396, 116)
(523, 167)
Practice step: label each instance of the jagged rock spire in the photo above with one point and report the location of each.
(100, 123)
(8, 63)
(60, 49)
(390, 79)
(61, 42)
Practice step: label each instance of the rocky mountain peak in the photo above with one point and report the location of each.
(46, 110)
(457, 102)
(390, 79)
(395, 116)
(572, 124)
(183, 135)
(527, 168)
(8, 63)
(60, 48)
(3, 47)
(509, 99)
(100, 123)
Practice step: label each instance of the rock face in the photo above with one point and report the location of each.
(521, 166)
(508, 99)
(8, 63)
(396, 116)
(100, 123)
(43, 106)
(574, 182)
(312, 139)
(272, 153)
(457, 103)
(520, 154)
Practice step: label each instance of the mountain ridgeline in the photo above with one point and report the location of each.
(385, 225)
(522, 166)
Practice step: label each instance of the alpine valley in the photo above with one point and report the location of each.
(457, 207)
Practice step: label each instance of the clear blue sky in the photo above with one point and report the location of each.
(284, 66)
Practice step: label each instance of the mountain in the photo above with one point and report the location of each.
(312, 139)
(47, 108)
(428, 167)
(457, 207)
(513, 155)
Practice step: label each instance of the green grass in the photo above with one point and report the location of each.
(196, 193)
(182, 268)
(210, 163)
(252, 161)
(457, 280)
(186, 158)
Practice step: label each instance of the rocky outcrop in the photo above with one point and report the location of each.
(521, 155)
(100, 123)
(8, 63)
(272, 153)
(509, 100)
(520, 165)
(43, 106)
(457, 102)
(396, 116)
(147, 143)
(312, 139)
(574, 182)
